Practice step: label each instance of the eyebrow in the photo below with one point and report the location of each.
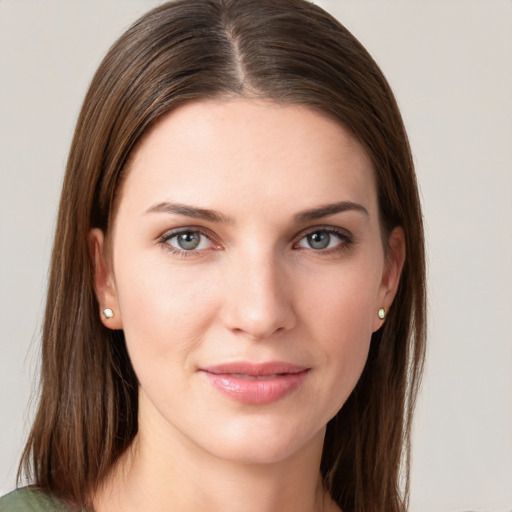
(329, 209)
(217, 217)
(189, 211)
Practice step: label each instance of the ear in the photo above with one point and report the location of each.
(395, 259)
(104, 285)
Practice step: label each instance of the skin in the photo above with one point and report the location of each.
(256, 288)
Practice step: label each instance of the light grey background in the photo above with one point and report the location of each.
(450, 64)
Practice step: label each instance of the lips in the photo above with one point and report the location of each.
(256, 384)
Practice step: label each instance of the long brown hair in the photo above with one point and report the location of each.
(289, 51)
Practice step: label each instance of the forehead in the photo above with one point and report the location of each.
(245, 152)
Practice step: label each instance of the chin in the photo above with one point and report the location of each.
(259, 445)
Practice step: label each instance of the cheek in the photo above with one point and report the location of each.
(165, 311)
(339, 311)
(342, 302)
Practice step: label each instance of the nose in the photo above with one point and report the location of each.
(258, 297)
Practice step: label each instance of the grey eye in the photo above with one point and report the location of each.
(189, 241)
(323, 239)
(319, 240)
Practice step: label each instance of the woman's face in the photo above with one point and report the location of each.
(246, 269)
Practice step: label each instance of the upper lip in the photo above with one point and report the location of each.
(255, 369)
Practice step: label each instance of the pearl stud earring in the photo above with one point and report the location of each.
(108, 313)
(382, 313)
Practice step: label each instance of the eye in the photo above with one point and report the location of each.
(324, 239)
(187, 241)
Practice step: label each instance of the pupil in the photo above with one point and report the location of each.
(319, 240)
(188, 241)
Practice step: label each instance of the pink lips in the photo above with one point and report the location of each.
(256, 384)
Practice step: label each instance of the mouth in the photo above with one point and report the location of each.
(256, 384)
(256, 377)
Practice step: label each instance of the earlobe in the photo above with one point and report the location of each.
(104, 287)
(395, 259)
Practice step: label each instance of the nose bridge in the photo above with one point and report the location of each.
(258, 301)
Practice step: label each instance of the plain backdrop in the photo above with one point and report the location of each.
(450, 65)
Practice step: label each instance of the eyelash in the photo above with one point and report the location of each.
(164, 241)
(346, 241)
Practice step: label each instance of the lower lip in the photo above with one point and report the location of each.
(252, 391)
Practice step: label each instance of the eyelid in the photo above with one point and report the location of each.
(171, 233)
(346, 238)
(187, 229)
(342, 232)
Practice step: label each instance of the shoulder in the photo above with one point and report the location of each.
(31, 499)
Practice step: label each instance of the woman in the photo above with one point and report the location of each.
(236, 307)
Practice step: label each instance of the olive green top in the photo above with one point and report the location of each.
(31, 499)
